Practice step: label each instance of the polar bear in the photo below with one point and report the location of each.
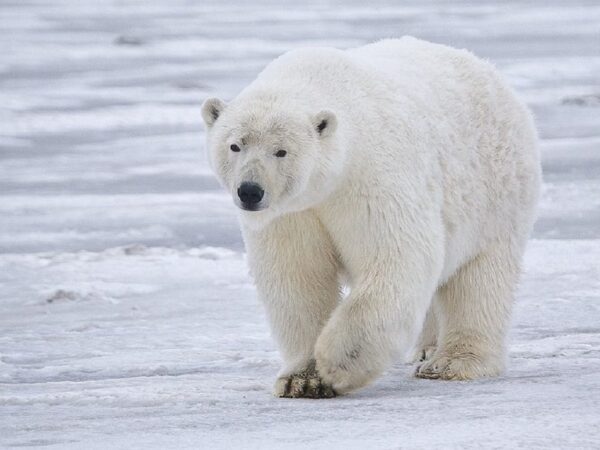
(404, 170)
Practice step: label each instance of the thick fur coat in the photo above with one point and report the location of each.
(405, 170)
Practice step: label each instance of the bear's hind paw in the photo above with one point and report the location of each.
(458, 367)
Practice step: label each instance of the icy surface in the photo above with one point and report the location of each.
(127, 318)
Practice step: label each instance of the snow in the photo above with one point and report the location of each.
(127, 316)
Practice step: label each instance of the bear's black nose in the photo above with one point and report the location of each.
(250, 193)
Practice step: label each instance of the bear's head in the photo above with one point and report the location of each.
(272, 156)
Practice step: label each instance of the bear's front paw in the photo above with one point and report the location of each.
(304, 384)
(344, 367)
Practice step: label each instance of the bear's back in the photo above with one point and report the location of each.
(386, 67)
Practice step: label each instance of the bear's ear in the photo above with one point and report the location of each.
(325, 123)
(211, 110)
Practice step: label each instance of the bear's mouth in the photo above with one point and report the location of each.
(251, 207)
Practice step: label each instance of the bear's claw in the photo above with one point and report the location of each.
(305, 384)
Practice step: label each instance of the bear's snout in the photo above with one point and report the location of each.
(250, 195)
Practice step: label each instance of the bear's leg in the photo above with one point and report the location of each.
(295, 268)
(474, 310)
(368, 330)
(427, 342)
(379, 320)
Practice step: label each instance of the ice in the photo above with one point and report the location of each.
(127, 316)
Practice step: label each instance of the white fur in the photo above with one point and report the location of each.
(423, 185)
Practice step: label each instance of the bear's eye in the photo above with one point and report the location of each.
(234, 148)
(281, 153)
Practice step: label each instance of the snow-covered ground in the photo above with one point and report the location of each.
(127, 318)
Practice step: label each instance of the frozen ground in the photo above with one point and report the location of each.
(127, 319)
